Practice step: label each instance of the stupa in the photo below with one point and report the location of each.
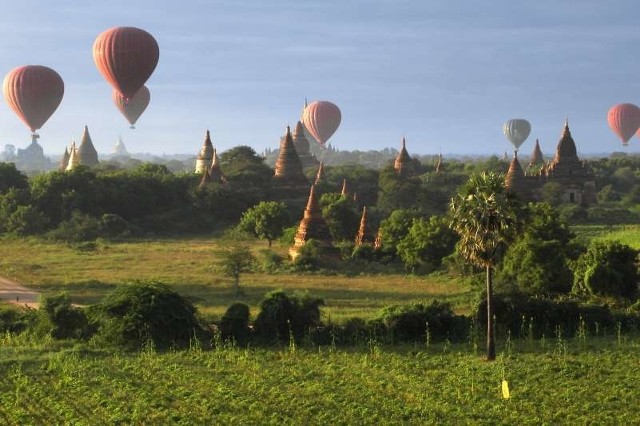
(87, 154)
(289, 175)
(312, 226)
(364, 235)
(205, 155)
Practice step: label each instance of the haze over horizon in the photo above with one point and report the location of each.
(445, 75)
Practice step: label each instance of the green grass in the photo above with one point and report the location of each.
(188, 266)
(626, 234)
(591, 380)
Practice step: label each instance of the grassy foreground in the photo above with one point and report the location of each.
(554, 382)
(188, 266)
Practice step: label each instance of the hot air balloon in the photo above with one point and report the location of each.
(624, 120)
(126, 58)
(517, 131)
(133, 108)
(33, 92)
(321, 119)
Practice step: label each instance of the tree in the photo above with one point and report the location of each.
(265, 220)
(235, 260)
(427, 242)
(10, 177)
(484, 216)
(537, 263)
(608, 268)
(394, 228)
(341, 215)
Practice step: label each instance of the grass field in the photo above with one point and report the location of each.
(585, 381)
(626, 234)
(188, 265)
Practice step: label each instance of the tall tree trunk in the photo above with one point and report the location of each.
(491, 342)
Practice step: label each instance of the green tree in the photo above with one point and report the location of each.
(484, 216)
(394, 228)
(427, 242)
(233, 261)
(341, 215)
(608, 268)
(10, 177)
(265, 220)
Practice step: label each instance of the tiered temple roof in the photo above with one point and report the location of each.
(402, 164)
(537, 159)
(312, 226)
(205, 155)
(74, 158)
(301, 144)
(64, 161)
(515, 180)
(288, 171)
(319, 174)
(88, 156)
(214, 170)
(364, 235)
(345, 189)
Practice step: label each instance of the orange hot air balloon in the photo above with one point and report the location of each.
(33, 92)
(624, 120)
(321, 119)
(126, 58)
(133, 108)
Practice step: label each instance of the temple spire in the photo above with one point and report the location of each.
(363, 236)
(319, 174)
(312, 226)
(345, 189)
(205, 155)
(402, 164)
(74, 158)
(64, 161)
(87, 154)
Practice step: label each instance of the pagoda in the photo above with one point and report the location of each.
(402, 164)
(214, 170)
(288, 174)
(301, 144)
(205, 155)
(515, 181)
(119, 150)
(364, 236)
(319, 174)
(537, 159)
(87, 154)
(64, 161)
(345, 189)
(312, 226)
(74, 158)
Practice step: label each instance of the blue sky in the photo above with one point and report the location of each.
(445, 74)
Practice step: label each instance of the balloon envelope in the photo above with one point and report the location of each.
(624, 120)
(33, 92)
(126, 58)
(133, 108)
(517, 131)
(321, 119)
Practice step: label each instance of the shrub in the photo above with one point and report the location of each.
(235, 323)
(281, 314)
(12, 320)
(58, 318)
(521, 316)
(271, 261)
(136, 313)
(411, 322)
(607, 268)
(80, 227)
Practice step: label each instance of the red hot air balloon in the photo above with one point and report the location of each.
(133, 108)
(33, 92)
(126, 58)
(321, 119)
(624, 120)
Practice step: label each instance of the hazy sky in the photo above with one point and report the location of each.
(445, 74)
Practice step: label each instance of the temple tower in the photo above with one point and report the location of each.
(87, 154)
(364, 235)
(288, 171)
(205, 155)
(515, 181)
(64, 161)
(319, 174)
(301, 144)
(312, 226)
(74, 158)
(402, 164)
(537, 159)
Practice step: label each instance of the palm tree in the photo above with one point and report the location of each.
(484, 215)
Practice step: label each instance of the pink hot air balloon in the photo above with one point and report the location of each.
(33, 92)
(133, 108)
(126, 57)
(624, 120)
(321, 119)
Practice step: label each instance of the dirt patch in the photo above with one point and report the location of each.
(18, 294)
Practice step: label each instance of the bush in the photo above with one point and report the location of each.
(271, 261)
(524, 316)
(80, 227)
(58, 318)
(607, 268)
(235, 323)
(411, 322)
(137, 313)
(282, 315)
(12, 320)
